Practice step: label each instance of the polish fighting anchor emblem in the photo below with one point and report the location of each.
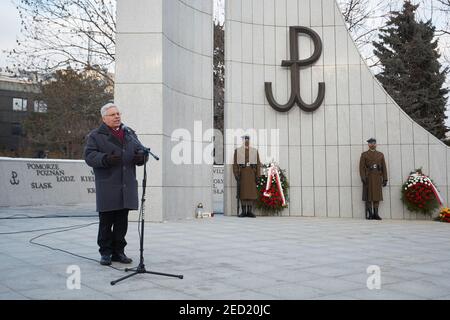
(13, 180)
(295, 64)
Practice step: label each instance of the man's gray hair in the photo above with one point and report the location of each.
(106, 107)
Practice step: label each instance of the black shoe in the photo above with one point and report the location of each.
(369, 214)
(105, 260)
(375, 214)
(243, 212)
(250, 213)
(122, 258)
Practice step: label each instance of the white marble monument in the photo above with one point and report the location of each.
(163, 83)
(320, 150)
(33, 182)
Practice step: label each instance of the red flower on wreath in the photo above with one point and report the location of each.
(272, 200)
(418, 193)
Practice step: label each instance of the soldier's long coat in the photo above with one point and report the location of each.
(373, 189)
(247, 175)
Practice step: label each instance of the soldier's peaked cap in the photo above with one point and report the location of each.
(372, 140)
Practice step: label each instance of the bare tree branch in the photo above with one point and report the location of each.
(61, 33)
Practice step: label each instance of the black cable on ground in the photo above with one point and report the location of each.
(23, 216)
(33, 230)
(58, 230)
(32, 241)
(65, 230)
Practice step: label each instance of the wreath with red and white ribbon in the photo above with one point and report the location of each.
(420, 194)
(273, 189)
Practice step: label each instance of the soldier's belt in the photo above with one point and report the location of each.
(248, 164)
(374, 167)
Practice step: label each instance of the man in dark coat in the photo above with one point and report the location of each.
(246, 169)
(373, 171)
(114, 151)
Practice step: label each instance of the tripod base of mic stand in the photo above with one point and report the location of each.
(141, 269)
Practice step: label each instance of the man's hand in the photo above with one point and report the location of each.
(139, 158)
(385, 183)
(364, 180)
(113, 160)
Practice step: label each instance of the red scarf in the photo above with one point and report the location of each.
(119, 134)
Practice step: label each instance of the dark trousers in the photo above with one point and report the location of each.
(112, 231)
(376, 204)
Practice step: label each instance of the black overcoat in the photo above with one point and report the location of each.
(116, 187)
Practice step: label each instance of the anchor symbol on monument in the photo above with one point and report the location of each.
(13, 180)
(295, 65)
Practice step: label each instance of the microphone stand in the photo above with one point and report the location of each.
(141, 267)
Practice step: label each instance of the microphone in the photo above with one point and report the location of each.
(145, 149)
(126, 129)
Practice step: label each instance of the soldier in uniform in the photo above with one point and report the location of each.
(246, 169)
(373, 171)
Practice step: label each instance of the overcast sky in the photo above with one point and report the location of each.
(10, 28)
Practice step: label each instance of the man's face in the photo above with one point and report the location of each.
(112, 118)
(246, 142)
(372, 146)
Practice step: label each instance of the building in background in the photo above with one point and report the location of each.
(16, 102)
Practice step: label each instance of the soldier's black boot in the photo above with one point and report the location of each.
(249, 212)
(369, 215)
(375, 214)
(243, 212)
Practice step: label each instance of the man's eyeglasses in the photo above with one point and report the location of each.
(114, 114)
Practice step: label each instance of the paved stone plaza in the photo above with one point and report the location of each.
(230, 258)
